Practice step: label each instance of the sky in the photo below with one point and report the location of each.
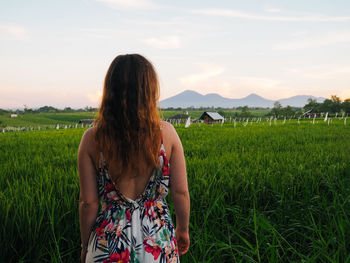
(57, 52)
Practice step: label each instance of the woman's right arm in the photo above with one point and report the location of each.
(179, 192)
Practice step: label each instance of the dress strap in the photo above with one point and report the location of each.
(100, 160)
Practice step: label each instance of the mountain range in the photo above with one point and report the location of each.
(190, 98)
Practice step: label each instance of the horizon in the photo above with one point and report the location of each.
(254, 94)
(57, 53)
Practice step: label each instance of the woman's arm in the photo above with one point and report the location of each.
(179, 192)
(88, 198)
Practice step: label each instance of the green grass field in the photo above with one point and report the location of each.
(50, 120)
(259, 193)
(195, 114)
(44, 119)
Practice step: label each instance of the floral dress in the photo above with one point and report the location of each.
(139, 230)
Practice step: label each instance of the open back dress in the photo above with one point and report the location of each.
(139, 230)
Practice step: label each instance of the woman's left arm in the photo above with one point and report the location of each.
(88, 198)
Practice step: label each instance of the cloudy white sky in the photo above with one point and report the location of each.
(57, 52)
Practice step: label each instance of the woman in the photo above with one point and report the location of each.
(126, 163)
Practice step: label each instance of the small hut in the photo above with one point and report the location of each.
(86, 121)
(211, 117)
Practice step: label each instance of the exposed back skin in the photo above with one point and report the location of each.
(134, 182)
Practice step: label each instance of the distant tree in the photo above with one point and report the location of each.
(288, 111)
(89, 109)
(27, 109)
(48, 109)
(326, 106)
(335, 99)
(68, 109)
(277, 108)
(336, 103)
(346, 106)
(312, 105)
(332, 105)
(245, 112)
(277, 105)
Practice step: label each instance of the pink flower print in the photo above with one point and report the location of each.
(100, 230)
(128, 216)
(154, 250)
(150, 208)
(122, 257)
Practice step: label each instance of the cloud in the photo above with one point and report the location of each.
(94, 98)
(310, 42)
(130, 4)
(212, 80)
(321, 72)
(208, 71)
(13, 32)
(250, 16)
(166, 42)
(269, 87)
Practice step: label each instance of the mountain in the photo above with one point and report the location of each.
(299, 100)
(190, 98)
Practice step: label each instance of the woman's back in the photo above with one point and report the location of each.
(134, 181)
(123, 163)
(133, 224)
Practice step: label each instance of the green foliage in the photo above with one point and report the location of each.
(278, 110)
(312, 105)
(258, 193)
(332, 106)
(245, 112)
(47, 109)
(346, 107)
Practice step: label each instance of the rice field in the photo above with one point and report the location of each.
(259, 193)
(43, 120)
(51, 120)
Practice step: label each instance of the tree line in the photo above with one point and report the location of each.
(333, 106)
(48, 109)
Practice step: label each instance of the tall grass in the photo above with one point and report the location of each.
(258, 193)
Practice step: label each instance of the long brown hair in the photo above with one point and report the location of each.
(128, 122)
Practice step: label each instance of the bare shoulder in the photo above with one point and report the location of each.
(171, 138)
(168, 130)
(87, 143)
(89, 134)
(166, 125)
(168, 133)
